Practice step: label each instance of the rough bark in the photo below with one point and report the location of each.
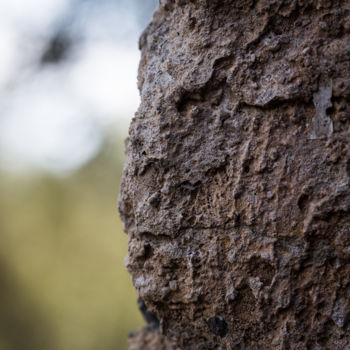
(235, 193)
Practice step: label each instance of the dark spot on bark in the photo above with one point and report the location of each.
(192, 23)
(149, 317)
(348, 167)
(218, 326)
(329, 110)
(154, 200)
(302, 201)
(188, 187)
(148, 251)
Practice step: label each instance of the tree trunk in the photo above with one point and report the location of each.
(235, 193)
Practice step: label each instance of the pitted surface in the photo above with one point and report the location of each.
(235, 193)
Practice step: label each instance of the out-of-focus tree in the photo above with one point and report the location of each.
(63, 241)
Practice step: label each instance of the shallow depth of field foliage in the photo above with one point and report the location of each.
(63, 281)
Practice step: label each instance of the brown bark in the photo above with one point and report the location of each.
(235, 193)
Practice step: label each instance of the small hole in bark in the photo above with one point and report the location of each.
(148, 251)
(302, 201)
(237, 219)
(218, 326)
(329, 110)
(193, 22)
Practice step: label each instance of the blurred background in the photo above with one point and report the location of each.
(67, 93)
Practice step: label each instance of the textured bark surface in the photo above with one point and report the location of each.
(235, 193)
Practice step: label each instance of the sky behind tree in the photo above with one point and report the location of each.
(67, 73)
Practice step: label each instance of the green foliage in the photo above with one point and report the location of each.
(63, 281)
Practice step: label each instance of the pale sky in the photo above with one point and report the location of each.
(53, 116)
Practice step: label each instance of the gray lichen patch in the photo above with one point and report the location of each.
(321, 122)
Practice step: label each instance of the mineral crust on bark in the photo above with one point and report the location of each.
(236, 188)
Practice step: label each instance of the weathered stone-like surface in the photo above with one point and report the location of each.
(236, 193)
